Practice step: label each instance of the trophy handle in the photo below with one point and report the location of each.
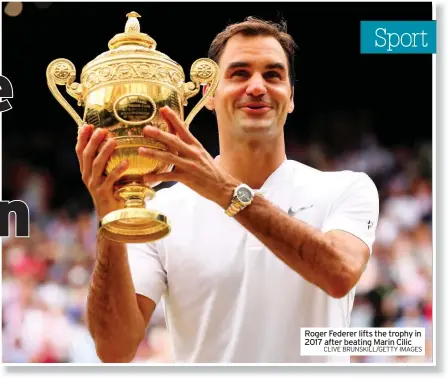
(203, 71)
(59, 72)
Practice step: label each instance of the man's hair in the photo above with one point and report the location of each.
(253, 26)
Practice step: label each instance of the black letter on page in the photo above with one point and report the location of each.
(5, 93)
(20, 208)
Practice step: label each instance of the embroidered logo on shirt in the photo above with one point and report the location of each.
(291, 210)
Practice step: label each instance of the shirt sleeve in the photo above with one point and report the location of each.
(356, 211)
(147, 271)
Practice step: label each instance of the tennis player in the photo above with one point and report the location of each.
(261, 245)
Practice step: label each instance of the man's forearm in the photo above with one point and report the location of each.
(305, 249)
(114, 319)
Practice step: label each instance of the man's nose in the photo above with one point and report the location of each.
(256, 86)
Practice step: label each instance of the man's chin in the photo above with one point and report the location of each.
(257, 131)
(256, 127)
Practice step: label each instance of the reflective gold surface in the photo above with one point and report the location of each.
(122, 90)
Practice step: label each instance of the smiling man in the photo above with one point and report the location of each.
(261, 245)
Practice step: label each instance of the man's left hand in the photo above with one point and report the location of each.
(194, 166)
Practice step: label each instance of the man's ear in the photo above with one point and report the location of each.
(291, 101)
(210, 103)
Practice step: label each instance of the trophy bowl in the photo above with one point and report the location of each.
(122, 90)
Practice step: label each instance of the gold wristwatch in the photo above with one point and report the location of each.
(243, 196)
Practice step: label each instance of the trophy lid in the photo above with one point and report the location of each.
(131, 42)
(132, 35)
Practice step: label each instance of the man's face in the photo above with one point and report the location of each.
(254, 95)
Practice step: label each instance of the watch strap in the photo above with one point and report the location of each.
(234, 207)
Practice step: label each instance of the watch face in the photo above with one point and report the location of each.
(244, 195)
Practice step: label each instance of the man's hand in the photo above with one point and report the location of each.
(92, 163)
(194, 166)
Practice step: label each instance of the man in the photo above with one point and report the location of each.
(260, 245)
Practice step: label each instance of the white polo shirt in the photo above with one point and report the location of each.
(227, 298)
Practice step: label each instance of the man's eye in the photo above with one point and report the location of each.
(273, 74)
(239, 73)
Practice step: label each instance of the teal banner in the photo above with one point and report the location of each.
(398, 37)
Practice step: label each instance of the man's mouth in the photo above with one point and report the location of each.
(256, 108)
(256, 105)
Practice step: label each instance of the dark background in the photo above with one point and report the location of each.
(340, 93)
(370, 113)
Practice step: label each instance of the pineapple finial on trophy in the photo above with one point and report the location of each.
(132, 35)
(132, 25)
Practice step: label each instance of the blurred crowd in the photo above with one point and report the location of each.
(45, 277)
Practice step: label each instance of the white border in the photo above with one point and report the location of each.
(439, 137)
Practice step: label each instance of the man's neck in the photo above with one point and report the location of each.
(252, 163)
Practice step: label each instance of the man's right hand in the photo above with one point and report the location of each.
(92, 163)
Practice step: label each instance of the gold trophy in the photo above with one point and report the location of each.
(122, 90)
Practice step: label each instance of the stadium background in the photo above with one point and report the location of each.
(359, 112)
